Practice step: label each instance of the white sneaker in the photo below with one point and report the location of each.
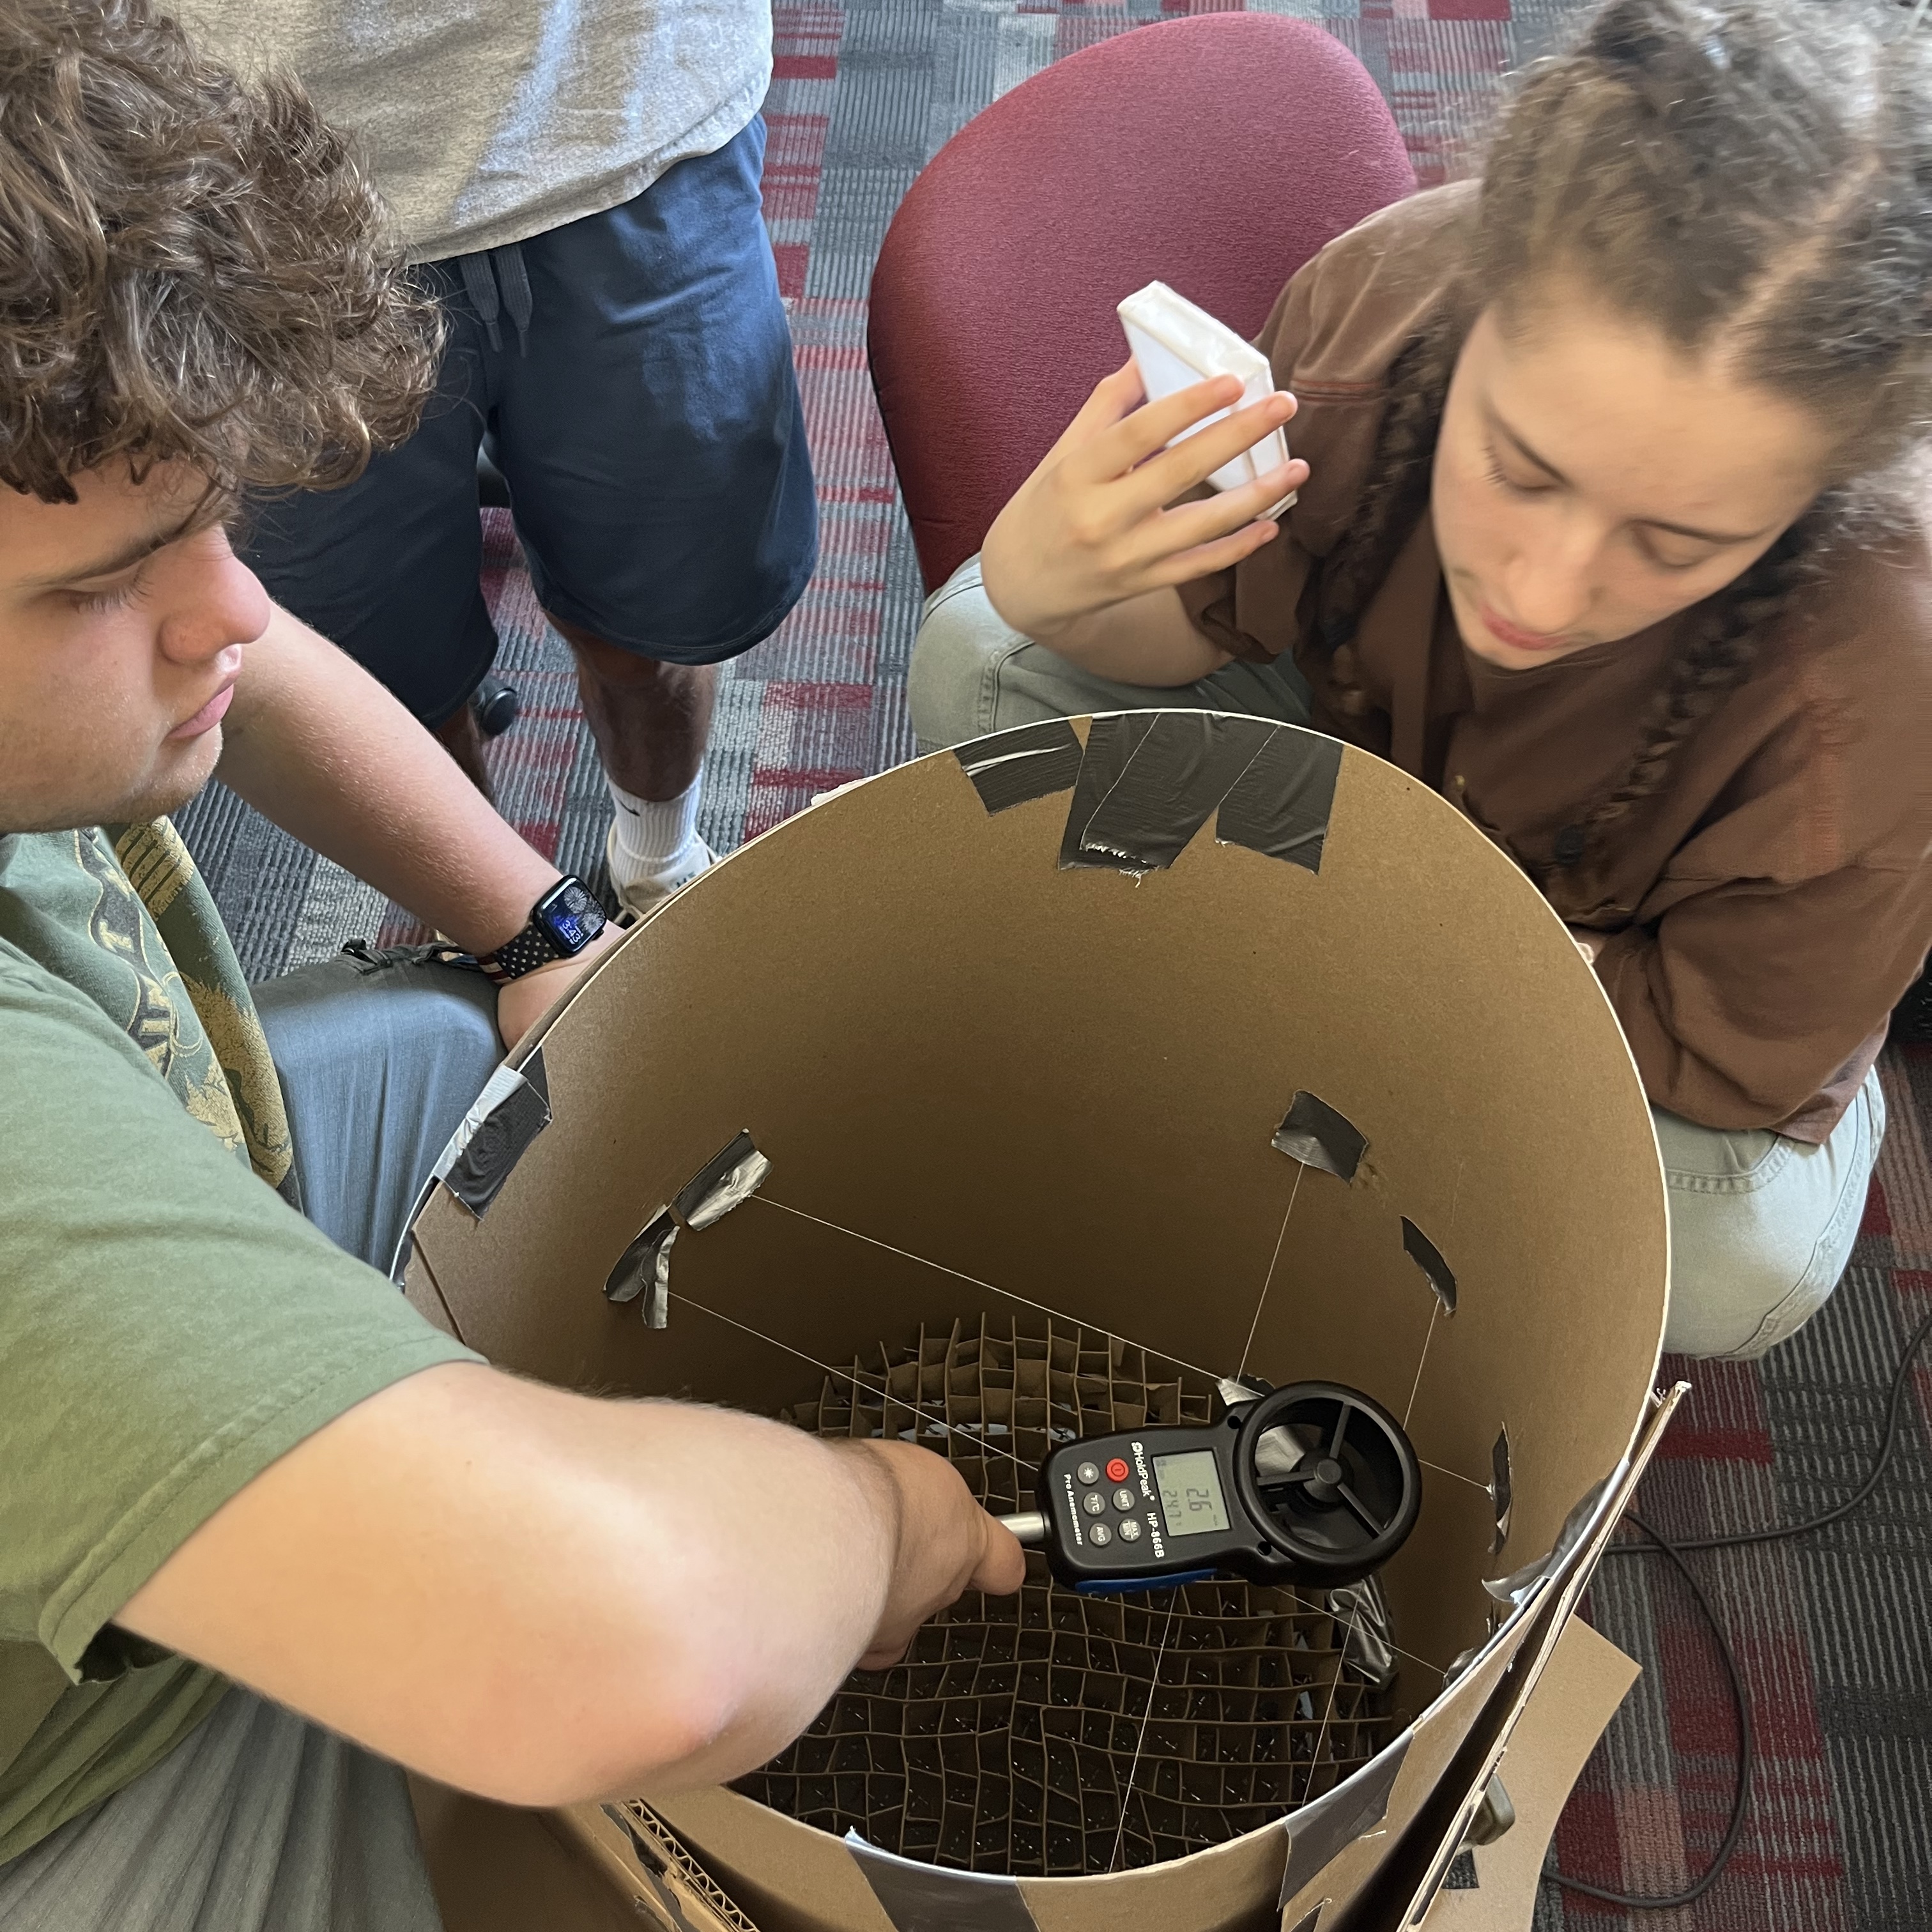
(647, 895)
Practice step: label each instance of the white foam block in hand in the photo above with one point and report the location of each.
(1176, 345)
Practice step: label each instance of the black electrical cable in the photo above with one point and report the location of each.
(1740, 1697)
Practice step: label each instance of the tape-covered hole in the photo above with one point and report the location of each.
(1501, 1493)
(1428, 1257)
(1032, 761)
(729, 1178)
(512, 1109)
(1316, 1135)
(1313, 1922)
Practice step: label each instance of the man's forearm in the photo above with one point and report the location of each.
(538, 1596)
(314, 743)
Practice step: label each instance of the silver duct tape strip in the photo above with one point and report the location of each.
(1428, 1257)
(727, 1180)
(1502, 1494)
(1010, 767)
(1321, 1831)
(1515, 1589)
(1368, 1644)
(512, 1109)
(644, 1268)
(1316, 1135)
(930, 1898)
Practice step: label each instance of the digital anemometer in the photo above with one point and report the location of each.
(1314, 1484)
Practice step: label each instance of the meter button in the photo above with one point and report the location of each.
(1130, 1530)
(1100, 1535)
(1094, 1503)
(1124, 1499)
(1117, 1471)
(1089, 1474)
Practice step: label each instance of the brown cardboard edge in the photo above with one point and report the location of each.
(1585, 1681)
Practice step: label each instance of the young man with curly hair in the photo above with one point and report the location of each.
(265, 1536)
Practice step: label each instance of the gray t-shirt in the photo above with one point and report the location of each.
(487, 121)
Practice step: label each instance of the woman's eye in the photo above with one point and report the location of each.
(1492, 463)
(1673, 554)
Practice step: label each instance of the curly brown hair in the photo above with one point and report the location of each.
(190, 268)
(1750, 176)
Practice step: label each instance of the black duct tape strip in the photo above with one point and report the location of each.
(1501, 1494)
(644, 1268)
(1421, 1250)
(1279, 806)
(1010, 767)
(1321, 1831)
(1149, 783)
(1315, 1134)
(929, 1898)
(509, 1114)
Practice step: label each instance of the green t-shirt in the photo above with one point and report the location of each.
(169, 1324)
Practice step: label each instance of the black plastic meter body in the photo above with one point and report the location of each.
(1313, 1484)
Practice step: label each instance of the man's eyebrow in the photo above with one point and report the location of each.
(1717, 537)
(129, 554)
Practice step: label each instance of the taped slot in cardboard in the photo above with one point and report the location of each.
(1031, 761)
(1319, 1831)
(1428, 1257)
(512, 1109)
(1363, 1608)
(1312, 1922)
(1516, 1588)
(644, 1268)
(928, 1898)
(1052, 1734)
(1316, 1135)
(1501, 1493)
(1280, 805)
(728, 1179)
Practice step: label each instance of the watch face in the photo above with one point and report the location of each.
(570, 916)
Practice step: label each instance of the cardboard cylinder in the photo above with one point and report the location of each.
(1203, 1032)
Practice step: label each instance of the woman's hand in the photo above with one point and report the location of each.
(1090, 528)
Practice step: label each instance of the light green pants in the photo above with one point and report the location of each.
(1761, 1227)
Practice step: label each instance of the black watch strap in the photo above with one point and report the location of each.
(567, 910)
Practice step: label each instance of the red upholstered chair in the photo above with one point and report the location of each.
(1215, 154)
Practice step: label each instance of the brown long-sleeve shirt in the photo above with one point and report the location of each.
(1767, 908)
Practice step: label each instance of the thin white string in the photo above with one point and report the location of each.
(1146, 1718)
(1428, 1335)
(848, 1375)
(1334, 1689)
(1267, 1280)
(990, 1287)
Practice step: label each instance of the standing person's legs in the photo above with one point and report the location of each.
(1761, 1227)
(390, 567)
(259, 1821)
(972, 673)
(653, 441)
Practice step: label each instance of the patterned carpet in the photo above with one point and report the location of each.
(1834, 1632)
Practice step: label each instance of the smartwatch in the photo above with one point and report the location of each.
(562, 924)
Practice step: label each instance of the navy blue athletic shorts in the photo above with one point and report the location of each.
(634, 371)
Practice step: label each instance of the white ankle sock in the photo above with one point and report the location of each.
(655, 842)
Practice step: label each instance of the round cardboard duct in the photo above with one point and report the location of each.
(1205, 1033)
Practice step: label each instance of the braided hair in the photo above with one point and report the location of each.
(1750, 177)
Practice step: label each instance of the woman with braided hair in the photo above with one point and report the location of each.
(1613, 527)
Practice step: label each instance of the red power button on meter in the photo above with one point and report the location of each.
(1117, 1471)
